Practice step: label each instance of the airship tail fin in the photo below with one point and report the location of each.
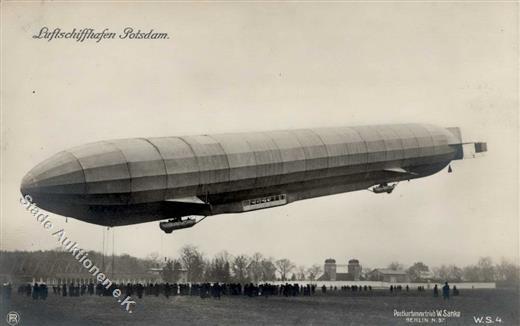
(474, 149)
(465, 150)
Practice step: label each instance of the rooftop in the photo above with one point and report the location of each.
(389, 271)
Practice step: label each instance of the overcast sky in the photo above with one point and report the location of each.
(258, 66)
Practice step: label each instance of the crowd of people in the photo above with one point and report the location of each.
(346, 288)
(205, 290)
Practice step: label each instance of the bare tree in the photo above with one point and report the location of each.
(455, 273)
(396, 266)
(301, 273)
(486, 269)
(448, 273)
(483, 271)
(507, 271)
(193, 260)
(255, 267)
(171, 271)
(219, 268)
(268, 270)
(284, 266)
(239, 267)
(314, 272)
(471, 273)
(415, 271)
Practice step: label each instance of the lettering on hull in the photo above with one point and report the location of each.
(264, 202)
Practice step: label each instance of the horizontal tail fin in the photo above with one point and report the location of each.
(464, 150)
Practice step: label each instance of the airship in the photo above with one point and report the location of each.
(181, 180)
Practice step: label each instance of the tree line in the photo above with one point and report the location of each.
(224, 267)
(192, 265)
(485, 270)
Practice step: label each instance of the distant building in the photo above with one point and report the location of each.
(388, 275)
(426, 275)
(336, 272)
(181, 275)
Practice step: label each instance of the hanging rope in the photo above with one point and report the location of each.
(103, 252)
(113, 251)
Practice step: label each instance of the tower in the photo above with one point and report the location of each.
(330, 269)
(354, 269)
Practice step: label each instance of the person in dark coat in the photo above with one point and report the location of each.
(140, 291)
(35, 291)
(44, 291)
(446, 291)
(167, 290)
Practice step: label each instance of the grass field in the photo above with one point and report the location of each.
(377, 309)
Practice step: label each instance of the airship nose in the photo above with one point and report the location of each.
(59, 175)
(28, 182)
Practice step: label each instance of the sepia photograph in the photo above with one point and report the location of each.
(259, 163)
